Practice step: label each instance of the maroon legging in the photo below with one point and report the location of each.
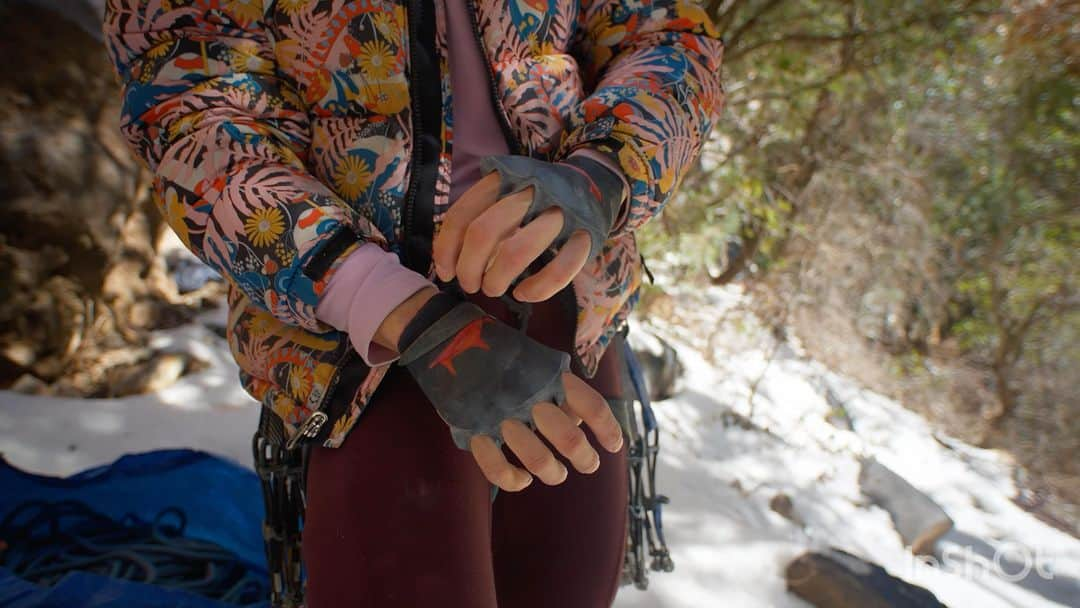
(399, 516)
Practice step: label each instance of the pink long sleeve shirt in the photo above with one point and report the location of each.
(372, 282)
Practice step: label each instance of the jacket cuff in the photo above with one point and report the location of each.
(369, 284)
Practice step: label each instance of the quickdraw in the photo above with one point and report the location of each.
(281, 471)
(646, 506)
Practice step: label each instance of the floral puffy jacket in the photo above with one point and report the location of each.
(284, 133)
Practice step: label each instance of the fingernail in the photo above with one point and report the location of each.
(565, 474)
(618, 446)
(595, 465)
(528, 481)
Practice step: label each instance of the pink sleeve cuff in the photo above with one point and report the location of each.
(367, 287)
(624, 207)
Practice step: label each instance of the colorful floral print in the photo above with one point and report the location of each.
(278, 130)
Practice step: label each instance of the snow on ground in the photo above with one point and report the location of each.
(206, 410)
(729, 548)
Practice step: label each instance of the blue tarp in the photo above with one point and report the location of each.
(222, 503)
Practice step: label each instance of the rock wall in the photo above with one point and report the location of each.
(79, 275)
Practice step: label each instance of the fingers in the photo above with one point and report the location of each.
(514, 255)
(583, 401)
(569, 414)
(495, 467)
(485, 233)
(565, 436)
(559, 425)
(480, 243)
(532, 453)
(558, 273)
(474, 201)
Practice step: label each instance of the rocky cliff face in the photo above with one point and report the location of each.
(79, 275)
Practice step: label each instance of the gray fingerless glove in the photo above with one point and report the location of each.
(478, 372)
(588, 193)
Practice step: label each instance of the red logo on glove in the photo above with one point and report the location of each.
(468, 337)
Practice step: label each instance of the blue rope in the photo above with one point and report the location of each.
(45, 541)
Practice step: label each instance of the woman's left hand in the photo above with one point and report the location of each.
(484, 245)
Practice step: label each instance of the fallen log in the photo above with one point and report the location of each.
(917, 518)
(837, 579)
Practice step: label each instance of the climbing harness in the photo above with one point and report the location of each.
(646, 506)
(44, 541)
(282, 468)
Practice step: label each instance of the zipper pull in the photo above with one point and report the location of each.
(308, 429)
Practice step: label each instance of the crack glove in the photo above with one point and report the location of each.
(588, 193)
(476, 370)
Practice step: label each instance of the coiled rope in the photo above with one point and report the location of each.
(41, 542)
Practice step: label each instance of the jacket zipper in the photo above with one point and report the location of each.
(416, 251)
(351, 373)
(414, 110)
(308, 430)
(421, 23)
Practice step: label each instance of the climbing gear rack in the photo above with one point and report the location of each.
(646, 506)
(281, 472)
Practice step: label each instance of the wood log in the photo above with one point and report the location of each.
(837, 579)
(917, 518)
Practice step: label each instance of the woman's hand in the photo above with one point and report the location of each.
(561, 427)
(483, 244)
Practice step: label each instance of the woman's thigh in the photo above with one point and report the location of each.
(563, 545)
(397, 516)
